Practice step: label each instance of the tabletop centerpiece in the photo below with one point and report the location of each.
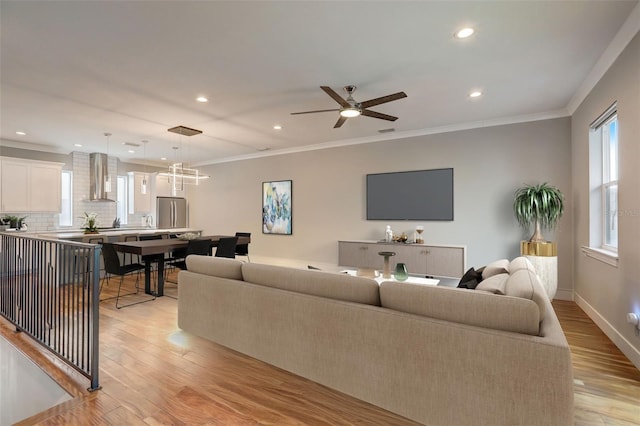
(90, 224)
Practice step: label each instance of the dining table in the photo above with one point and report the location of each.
(153, 251)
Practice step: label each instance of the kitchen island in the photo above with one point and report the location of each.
(112, 234)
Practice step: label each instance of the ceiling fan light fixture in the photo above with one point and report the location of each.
(350, 112)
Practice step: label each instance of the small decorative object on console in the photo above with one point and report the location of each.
(388, 235)
(401, 273)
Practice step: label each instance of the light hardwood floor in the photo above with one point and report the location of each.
(152, 373)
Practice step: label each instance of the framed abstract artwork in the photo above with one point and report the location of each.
(276, 207)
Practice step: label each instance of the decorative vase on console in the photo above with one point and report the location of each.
(401, 273)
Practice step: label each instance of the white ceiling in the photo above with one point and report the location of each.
(71, 71)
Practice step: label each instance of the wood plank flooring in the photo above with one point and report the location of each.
(153, 373)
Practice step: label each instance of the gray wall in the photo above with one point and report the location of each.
(329, 192)
(606, 292)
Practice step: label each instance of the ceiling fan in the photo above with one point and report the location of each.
(350, 108)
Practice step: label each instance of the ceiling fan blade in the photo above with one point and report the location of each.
(340, 122)
(379, 115)
(329, 91)
(383, 100)
(311, 112)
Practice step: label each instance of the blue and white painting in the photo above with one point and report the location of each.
(276, 207)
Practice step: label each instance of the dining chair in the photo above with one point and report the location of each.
(81, 261)
(227, 247)
(113, 266)
(243, 249)
(200, 247)
(127, 238)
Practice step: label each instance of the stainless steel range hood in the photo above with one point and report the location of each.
(98, 170)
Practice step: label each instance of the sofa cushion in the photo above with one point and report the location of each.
(470, 279)
(462, 306)
(215, 266)
(495, 284)
(526, 284)
(316, 283)
(494, 268)
(520, 263)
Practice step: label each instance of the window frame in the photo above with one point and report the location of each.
(69, 220)
(602, 179)
(122, 198)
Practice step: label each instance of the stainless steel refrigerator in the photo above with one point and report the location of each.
(171, 212)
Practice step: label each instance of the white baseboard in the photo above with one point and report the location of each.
(618, 339)
(562, 294)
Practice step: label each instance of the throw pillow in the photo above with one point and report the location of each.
(494, 268)
(495, 284)
(470, 279)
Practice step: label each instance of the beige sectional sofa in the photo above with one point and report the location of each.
(436, 355)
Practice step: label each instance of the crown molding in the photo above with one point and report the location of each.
(394, 136)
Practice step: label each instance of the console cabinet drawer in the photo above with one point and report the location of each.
(432, 260)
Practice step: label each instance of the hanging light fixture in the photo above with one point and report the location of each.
(180, 174)
(107, 177)
(143, 185)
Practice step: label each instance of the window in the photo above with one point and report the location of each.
(66, 212)
(121, 204)
(603, 178)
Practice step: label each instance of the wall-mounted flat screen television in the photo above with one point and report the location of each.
(413, 195)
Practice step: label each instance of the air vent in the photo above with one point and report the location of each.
(184, 131)
(130, 144)
(389, 130)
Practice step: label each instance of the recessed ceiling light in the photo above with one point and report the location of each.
(163, 158)
(79, 145)
(202, 99)
(21, 133)
(131, 151)
(464, 33)
(277, 127)
(475, 94)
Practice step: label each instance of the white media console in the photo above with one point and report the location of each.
(422, 259)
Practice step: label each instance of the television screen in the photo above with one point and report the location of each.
(414, 195)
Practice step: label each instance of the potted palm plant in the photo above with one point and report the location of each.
(540, 205)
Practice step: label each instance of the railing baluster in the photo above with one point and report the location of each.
(49, 289)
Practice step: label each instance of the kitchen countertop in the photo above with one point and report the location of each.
(113, 232)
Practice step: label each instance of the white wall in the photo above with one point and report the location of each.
(605, 292)
(329, 192)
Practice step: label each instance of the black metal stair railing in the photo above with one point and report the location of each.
(49, 289)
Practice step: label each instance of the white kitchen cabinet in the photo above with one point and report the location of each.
(139, 202)
(30, 186)
(422, 259)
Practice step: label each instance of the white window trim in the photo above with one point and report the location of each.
(606, 247)
(603, 252)
(70, 173)
(605, 256)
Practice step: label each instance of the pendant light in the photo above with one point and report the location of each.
(107, 178)
(143, 185)
(180, 174)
